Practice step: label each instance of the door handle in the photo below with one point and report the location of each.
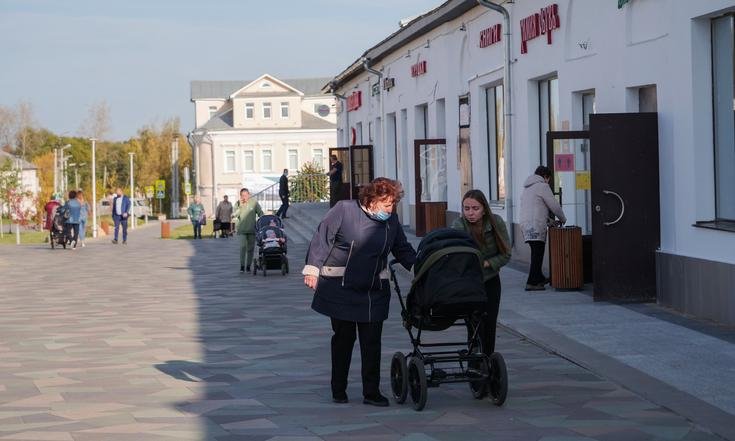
(622, 208)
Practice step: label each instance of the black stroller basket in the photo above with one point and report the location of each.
(447, 290)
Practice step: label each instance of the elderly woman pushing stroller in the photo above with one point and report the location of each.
(346, 266)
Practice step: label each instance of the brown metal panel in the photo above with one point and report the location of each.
(565, 249)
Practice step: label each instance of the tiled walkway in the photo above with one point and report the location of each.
(165, 340)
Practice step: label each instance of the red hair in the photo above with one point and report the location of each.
(380, 188)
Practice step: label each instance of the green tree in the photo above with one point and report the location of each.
(310, 184)
(19, 202)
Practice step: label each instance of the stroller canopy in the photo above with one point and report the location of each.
(264, 221)
(448, 272)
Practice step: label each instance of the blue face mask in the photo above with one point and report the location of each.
(381, 215)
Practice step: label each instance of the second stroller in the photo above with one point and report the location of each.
(271, 241)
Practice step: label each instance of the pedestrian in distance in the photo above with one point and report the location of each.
(283, 193)
(50, 208)
(335, 180)
(491, 235)
(223, 215)
(74, 208)
(346, 265)
(246, 212)
(120, 214)
(84, 215)
(537, 202)
(197, 216)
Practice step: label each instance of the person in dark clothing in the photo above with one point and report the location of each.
(491, 235)
(335, 180)
(283, 193)
(346, 266)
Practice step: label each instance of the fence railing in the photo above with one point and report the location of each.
(303, 188)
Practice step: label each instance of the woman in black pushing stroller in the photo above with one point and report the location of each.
(271, 241)
(456, 283)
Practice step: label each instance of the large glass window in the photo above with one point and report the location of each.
(723, 96)
(433, 169)
(247, 161)
(229, 161)
(267, 160)
(266, 110)
(548, 94)
(249, 110)
(318, 156)
(284, 110)
(293, 159)
(496, 141)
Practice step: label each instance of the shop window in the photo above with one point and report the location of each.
(723, 97)
(496, 141)
(548, 112)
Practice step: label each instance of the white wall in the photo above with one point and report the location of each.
(598, 47)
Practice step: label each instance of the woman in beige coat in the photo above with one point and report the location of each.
(537, 201)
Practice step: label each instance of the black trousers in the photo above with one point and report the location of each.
(535, 274)
(335, 193)
(343, 341)
(488, 326)
(284, 206)
(72, 233)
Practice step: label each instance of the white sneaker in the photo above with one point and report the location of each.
(83, 245)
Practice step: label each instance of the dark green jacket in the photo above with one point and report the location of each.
(489, 249)
(244, 216)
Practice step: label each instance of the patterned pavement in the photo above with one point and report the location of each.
(165, 340)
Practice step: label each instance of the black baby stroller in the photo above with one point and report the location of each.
(271, 241)
(58, 231)
(447, 290)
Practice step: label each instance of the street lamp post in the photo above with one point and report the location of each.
(58, 154)
(132, 191)
(94, 188)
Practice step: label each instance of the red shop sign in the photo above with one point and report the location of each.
(418, 68)
(490, 36)
(538, 24)
(354, 101)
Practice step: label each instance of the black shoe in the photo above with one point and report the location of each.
(247, 268)
(340, 399)
(377, 400)
(242, 269)
(284, 217)
(532, 287)
(114, 241)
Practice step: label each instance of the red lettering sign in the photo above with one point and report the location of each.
(490, 36)
(418, 68)
(540, 23)
(354, 101)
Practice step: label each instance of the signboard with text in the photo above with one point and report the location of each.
(540, 23)
(149, 192)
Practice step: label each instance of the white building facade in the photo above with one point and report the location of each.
(440, 126)
(248, 132)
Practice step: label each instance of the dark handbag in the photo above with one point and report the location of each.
(216, 225)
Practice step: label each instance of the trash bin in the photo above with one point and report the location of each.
(565, 257)
(165, 230)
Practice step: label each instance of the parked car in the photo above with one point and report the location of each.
(142, 209)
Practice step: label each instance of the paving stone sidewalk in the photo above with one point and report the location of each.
(165, 340)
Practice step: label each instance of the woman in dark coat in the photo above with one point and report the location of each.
(346, 266)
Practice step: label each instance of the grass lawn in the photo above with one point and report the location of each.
(26, 237)
(187, 231)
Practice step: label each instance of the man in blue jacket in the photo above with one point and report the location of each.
(120, 211)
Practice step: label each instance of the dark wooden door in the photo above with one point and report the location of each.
(361, 168)
(625, 205)
(431, 186)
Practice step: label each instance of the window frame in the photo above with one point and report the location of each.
(245, 154)
(498, 133)
(227, 157)
(289, 150)
(249, 110)
(267, 105)
(263, 153)
(285, 105)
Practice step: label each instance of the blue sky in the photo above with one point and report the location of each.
(64, 55)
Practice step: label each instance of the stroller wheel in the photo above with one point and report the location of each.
(498, 382)
(399, 377)
(417, 383)
(255, 268)
(284, 268)
(53, 242)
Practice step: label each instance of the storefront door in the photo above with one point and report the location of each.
(357, 168)
(430, 167)
(625, 205)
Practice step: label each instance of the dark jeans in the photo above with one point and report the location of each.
(343, 341)
(335, 192)
(72, 233)
(489, 325)
(197, 229)
(121, 221)
(535, 274)
(284, 207)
